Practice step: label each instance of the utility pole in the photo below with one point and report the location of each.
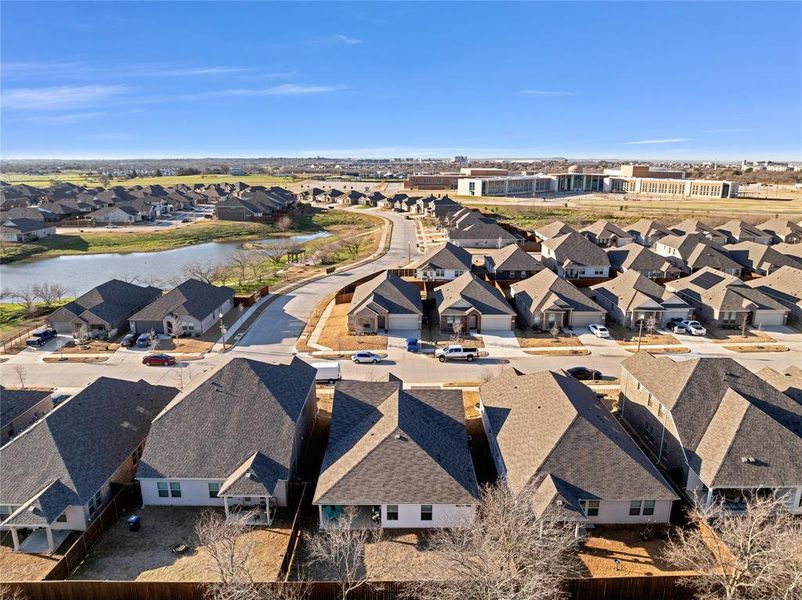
(222, 331)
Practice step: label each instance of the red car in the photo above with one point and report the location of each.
(158, 359)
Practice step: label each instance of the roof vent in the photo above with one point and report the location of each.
(398, 436)
(559, 503)
(748, 459)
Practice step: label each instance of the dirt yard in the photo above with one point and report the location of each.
(629, 337)
(146, 554)
(335, 334)
(18, 566)
(638, 557)
(186, 345)
(93, 347)
(529, 338)
(757, 348)
(733, 336)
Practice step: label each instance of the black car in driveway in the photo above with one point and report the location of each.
(40, 338)
(584, 373)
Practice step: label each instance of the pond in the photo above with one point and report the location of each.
(80, 273)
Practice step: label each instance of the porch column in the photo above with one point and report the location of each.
(267, 510)
(49, 532)
(15, 538)
(709, 499)
(225, 503)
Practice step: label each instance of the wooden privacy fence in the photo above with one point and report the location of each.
(127, 499)
(295, 536)
(610, 588)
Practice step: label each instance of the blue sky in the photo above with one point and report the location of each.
(630, 80)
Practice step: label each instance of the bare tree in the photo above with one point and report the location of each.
(340, 550)
(651, 324)
(257, 267)
(275, 253)
(753, 554)
(203, 271)
(230, 550)
(744, 323)
(50, 293)
(284, 223)
(239, 263)
(353, 246)
(27, 296)
(505, 554)
(20, 372)
(555, 331)
(457, 327)
(328, 253)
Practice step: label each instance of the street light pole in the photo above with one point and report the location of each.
(222, 331)
(640, 333)
(409, 251)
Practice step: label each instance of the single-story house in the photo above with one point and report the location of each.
(187, 310)
(632, 298)
(546, 299)
(647, 231)
(726, 301)
(782, 230)
(720, 431)
(21, 408)
(573, 256)
(444, 263)
(334, 195)
(102, 311)
(25, 230)
(115, 214)
(512, 263)
(552, 439)
(234, 441)
(478, 305)
(634, 257)
(384, 303)
(697, 252)
(399, 457)
(785, 286)
(478, 233)
(60, 472)
(692, 226)
(605, 234)
(760, 259)
(553, 230)
(741, 231)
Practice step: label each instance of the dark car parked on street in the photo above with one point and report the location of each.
(584, 373)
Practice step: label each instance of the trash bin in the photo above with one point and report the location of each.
(134, 523)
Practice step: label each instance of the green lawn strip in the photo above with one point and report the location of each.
(15, 316)
(92, 242)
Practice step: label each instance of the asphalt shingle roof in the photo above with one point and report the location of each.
(549, 291)
(14, 402)
(390, 292)
(446, 257)
(393, 446)
(485, 298)
(108, 303)
(193, 297)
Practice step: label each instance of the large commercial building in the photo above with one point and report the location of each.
(441, 181)
(690, 188)
(530, 185)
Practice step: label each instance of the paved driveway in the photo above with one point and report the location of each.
(500, 340)
(397, 338)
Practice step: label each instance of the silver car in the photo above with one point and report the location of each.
(366, 357)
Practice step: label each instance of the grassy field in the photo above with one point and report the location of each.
(91, 179)
(98, 242)
(14, 317)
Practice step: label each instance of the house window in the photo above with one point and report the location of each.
(163, 489)
(62, 518)
(457, 273)
(5, 512)
(660, 410)
(650, 401)
(94, 503)
(175, 489)
(425, 512)
(648, 507)
(591, 507)
(439, 273)
(634, 508)
(392, 512)
(214, 489)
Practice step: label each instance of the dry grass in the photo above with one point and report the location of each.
(470, 398)
(93, 347)
(733, 336)
(146, 555)
(757, 348)
(659, 349)
(18, 566)
(529, 338)
(187, 345)
(638, 557)
(75, 359)
(335, 334)
(441, 339)
(564, 352)
(628, 337)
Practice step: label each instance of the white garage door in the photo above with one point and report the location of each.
(765, 318)
(404, 321)
(496, 323)
(585, 319)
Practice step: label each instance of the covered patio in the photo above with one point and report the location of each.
(249, 492)
(366, 517)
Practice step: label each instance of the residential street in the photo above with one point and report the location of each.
(272, 338)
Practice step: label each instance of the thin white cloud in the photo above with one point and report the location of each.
(285, 89)
(726, 130)
(344, 39)
(658, 141)
(545, 93)
(190, 71)
(60, 97)
(65, 118)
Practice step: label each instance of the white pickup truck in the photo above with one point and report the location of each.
(456, 352)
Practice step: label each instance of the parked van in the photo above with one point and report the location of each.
(327, 372)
